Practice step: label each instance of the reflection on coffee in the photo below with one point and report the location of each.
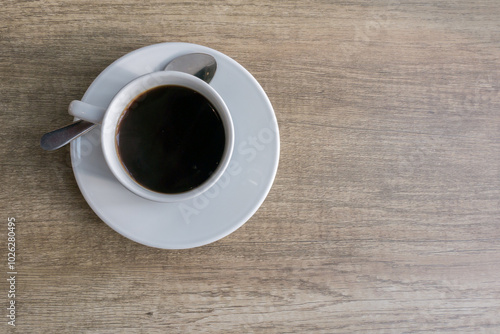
(170, 139)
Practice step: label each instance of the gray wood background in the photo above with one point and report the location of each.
(385, 213)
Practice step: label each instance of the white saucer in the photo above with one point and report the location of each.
(212, 215)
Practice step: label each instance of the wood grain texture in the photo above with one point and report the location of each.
(385, 213)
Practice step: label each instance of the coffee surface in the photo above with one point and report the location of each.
(170, 139)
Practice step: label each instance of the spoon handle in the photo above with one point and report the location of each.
(58, 138)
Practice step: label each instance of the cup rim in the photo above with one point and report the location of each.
(131, 91)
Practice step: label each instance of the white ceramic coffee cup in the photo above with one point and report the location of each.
(110, 117)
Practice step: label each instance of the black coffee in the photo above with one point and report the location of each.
(170, 139)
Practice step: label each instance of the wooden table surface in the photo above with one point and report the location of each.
(385, 213)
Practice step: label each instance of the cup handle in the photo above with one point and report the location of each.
(86, 111)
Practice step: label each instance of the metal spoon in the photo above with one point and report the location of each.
(200, 65)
